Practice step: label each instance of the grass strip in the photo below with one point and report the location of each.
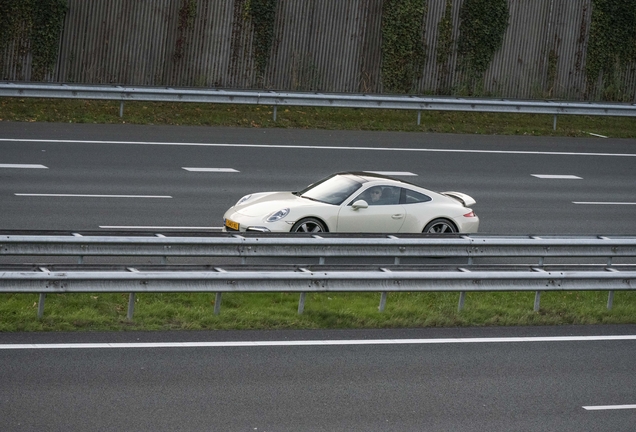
(107, 312)
(196, 114)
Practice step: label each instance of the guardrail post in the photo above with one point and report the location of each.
(121, 109)
(462, 294)
(382, 301)
(537, 301)
(462, 299)
(131, 306)
(217, 303)
(419, 117)
(41, 305)
(275, 106)
(383, 295)
(301, 303)
(610, 296)
(554, 124)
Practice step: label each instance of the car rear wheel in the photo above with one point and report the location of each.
(309, 225)
(440, 226)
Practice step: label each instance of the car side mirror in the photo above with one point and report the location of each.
(359, 204)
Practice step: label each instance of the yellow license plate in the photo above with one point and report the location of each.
(231, 224)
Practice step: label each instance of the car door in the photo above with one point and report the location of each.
(419, 209)
(383, 216)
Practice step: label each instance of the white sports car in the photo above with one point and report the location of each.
(354, 202)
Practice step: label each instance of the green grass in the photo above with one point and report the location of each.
(107, 312)
(83, 111)
(66, 312)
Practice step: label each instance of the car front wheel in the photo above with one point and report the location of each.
(309, 225)
(440, 226)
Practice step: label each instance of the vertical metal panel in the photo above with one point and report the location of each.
(319, 45)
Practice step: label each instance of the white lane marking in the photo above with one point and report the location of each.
(596, 135)
(603, 203)
(317, 342)
(393, 173)
(158, 227)
(557, 176)
(91, 196)
(210, 169)
(317, 147)
(23, 166)
(608, 407)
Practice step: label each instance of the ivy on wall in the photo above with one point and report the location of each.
(403, 44)
(444, 48)
(483, 24)
(611, 47)
(33, 25)
(263, 16)
(187, 15)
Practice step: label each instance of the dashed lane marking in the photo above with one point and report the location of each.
(226, 170)
(608, 407)
(557, 176)
(90, 196)
(36, 166)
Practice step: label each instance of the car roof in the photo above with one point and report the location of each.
(372, 177)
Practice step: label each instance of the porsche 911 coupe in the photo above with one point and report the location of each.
(359, 202)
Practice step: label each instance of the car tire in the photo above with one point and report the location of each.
(309, 225)
(440, 226)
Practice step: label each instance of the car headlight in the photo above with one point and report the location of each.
(277, 215)
(242, 200)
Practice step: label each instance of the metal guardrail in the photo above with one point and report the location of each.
(319, 278)
(319, 246)
(342, 100)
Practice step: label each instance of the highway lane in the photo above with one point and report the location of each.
(130, 160)
(443, 379)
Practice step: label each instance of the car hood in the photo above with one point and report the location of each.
(262, 204)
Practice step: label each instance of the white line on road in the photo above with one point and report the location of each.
(557, 176)
(608, 407)
(319, 147)
(210, 169)
(36, 166)
(317, 342)
(603, 203)
(125, 227)
(91, 196)
(393, 173)
(597, 135)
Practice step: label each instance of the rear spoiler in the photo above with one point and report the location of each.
(466, 200)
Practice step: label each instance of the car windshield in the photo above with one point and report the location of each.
(332, 190)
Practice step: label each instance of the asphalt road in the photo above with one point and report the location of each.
(143, 168)
(489, 379)
(442, 380)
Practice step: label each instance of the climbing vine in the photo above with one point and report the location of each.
(612, 45)
(48, 21)
(263, 16)
(33, 25)
(187, 15)
(483, 24)
(444, 48)
(403, 44)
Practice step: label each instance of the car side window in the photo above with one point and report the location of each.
(380, 195)
(412, 197)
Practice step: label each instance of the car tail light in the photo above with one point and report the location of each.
(470, 214)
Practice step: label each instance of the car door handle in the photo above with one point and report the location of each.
(397, 216)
